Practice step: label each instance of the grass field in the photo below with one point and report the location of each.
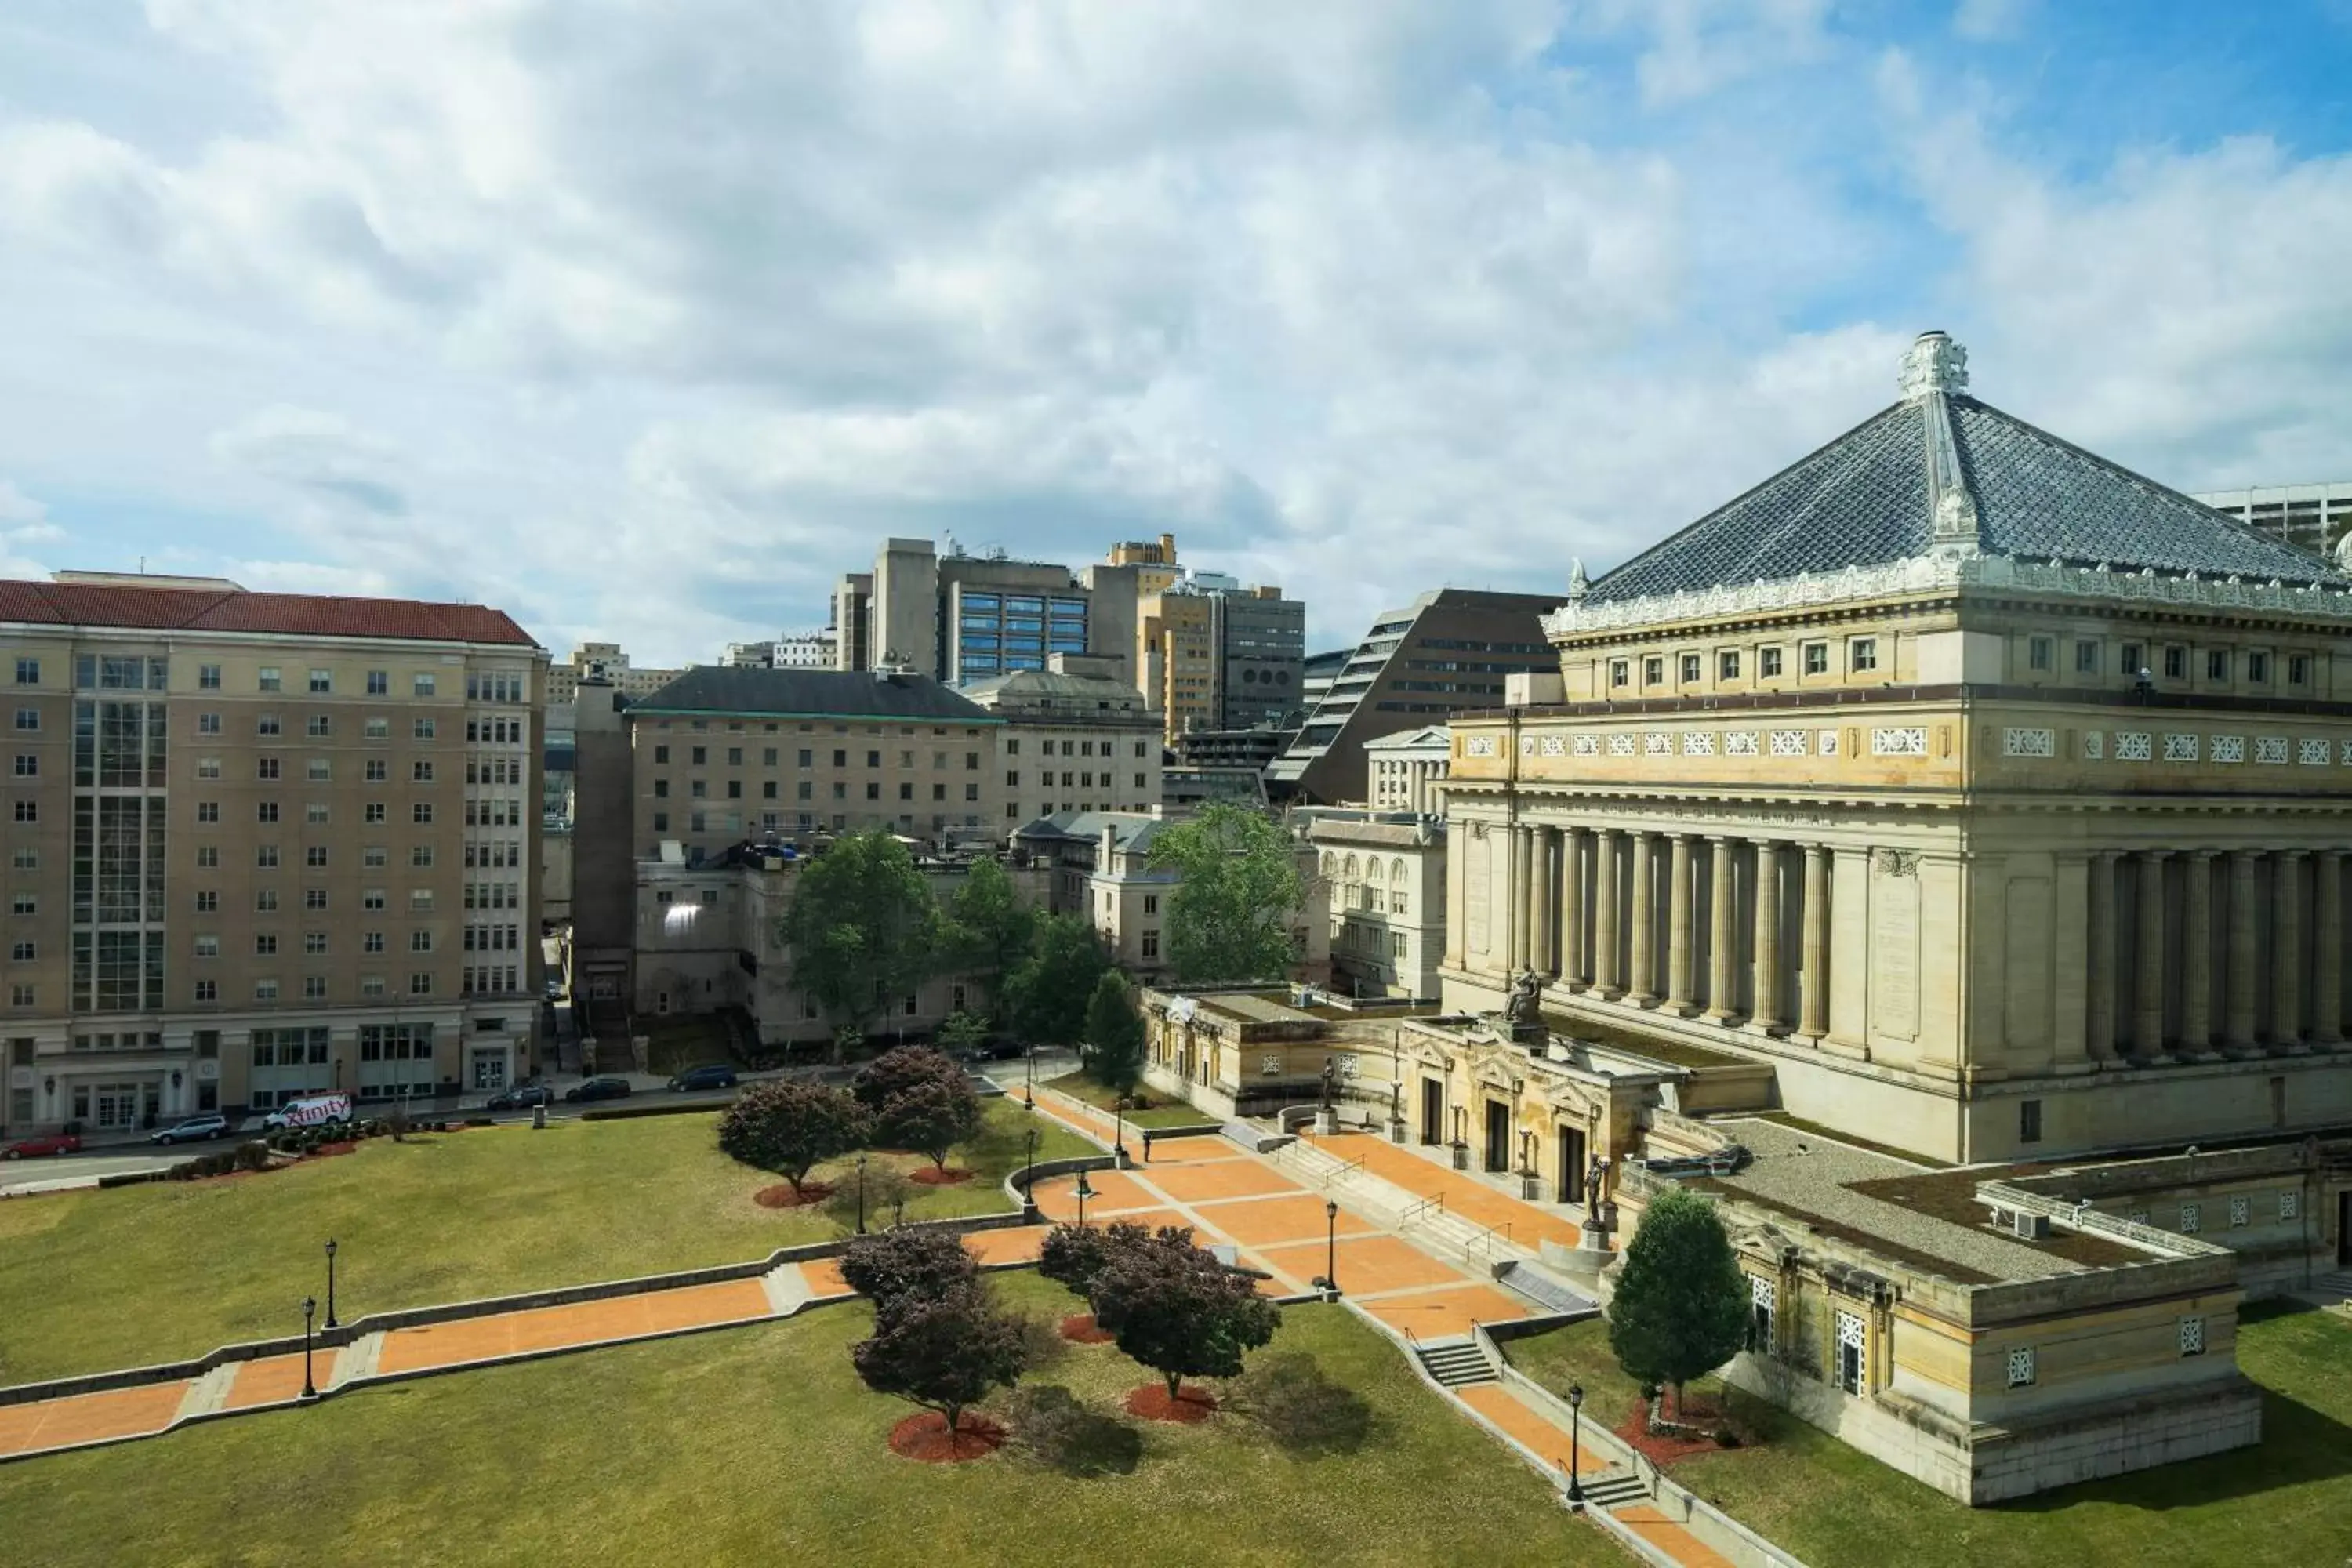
(99, 1279)
(2286, 1502)
(1079, 1085)
(759, 1445)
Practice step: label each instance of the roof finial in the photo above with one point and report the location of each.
(1933, 363)
(1577, 585)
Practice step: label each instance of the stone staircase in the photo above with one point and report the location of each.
(1615, 1487)
(1455, 1362)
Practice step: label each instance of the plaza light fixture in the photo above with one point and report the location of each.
(331, 1282)
(309, 1311)
(1575, 1443)
(1085, 1192)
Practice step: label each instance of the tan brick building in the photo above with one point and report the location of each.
(262, 845)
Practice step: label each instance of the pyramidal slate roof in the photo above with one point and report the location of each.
(1942, 468)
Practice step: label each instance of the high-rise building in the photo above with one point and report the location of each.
(263, 844)
(804, 650)
(1214, 655)
(1450, 649)
(2316, 517)
(606, 662)
(958, 618)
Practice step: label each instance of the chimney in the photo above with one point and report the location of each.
(1109, 846)
(1168, 549)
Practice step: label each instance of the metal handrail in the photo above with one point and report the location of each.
(1417, 1210)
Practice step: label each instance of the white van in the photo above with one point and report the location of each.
(313, 1110)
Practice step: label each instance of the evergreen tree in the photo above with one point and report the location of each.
(1114, 1051)
(1046, 996)
(1681, 1307)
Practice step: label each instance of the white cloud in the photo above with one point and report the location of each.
(1986, 20)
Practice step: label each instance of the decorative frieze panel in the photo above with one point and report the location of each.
(1904, 742)
(1698, 742)
(1621, 746)
(2017, 743)
(2181, 748)
(1478, 746)
(1739, 744)
(2229, 748)
(2095, 744)
(2271, 748)
(1555, 745)
(2133, 746)
(1788, 743)
(1828, 743)
(1657, 744)
(1588, 745)
(2311, 752)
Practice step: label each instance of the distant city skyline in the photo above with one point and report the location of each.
(646, 326)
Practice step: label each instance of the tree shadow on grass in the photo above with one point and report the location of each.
(1050, 1425)
(1308, 1415)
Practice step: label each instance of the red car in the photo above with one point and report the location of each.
(53, 1144)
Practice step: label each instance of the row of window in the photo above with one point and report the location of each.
(320, 726)
(1861, 658)
(314, 943)
(699, 756)
(2259, 665)
(265, 899)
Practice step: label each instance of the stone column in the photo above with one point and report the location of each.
(1642, 984)
(2099, 1027)
(1605, 972)
(2238, 1020)
(1723, 938)
(1457, 877)
(2327, 960)
(1814, 1004)
(2287, 949)
(1681, 945)
(1541, 881)
(1523, 903)
(2147, 1010)
(1572, 968)
(1768, 936)
(2196, 954)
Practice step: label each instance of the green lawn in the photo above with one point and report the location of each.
(759, 1445)
(1163, 1112)
(143, 1274)
(2286, 1502)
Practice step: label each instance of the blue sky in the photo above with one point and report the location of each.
(648, 321)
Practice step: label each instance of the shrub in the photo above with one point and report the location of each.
(1050, 1424)
(887, 1193)
(251, 1156)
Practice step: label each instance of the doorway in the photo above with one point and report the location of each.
(1571, 1166)
(1432, 1112)
(1498, 1136)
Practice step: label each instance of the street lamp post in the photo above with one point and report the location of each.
(1029, 1180)
(309, 1309)
(1332, 1246)
(1118, 1130)
(1029, 1076)
(1575, 1444)
(861, 1195)
(331, 1282)
(1085, 1192)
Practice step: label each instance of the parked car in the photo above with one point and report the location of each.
(598, 1088)
(48, 1143)
(522, 1097)
(708, 1075)
(194, 1128)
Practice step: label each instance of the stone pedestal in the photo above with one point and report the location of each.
(1327, 1121)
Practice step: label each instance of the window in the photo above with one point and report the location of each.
(873, 759)
(1727, 665)
(266, 856)
(735, 789)
(28, 811)
(661, 754)
(420, 772)
(29, 718)
(2037, 653)
(2086, 658)
(20, 996)
(1620, 673)
(28, 672)
(702, 754)
(421, 813)
(314, 898)
(2029, 1121)
(420, 941)
(1763, 1300)
(208, 678)
(24, 858)
(266, 810)
(2217, 664)
(314, 856)
(372, 942)
(372, 898)
(1817, 658)
(264, 945)
(1151, 944)
(322, 680)
(1850, 1336)
(21, 953)
(268, 677)
(29, 764)
(2258, 667)
(421, 984)
(697, 788)
(378, 729)
(661, 822)
(420, 855)
(207, 856)
(2176, 664)
(207, 990)
(1653, 670)
(2192, 1336)
(1690, 667)
(1767, 662)
(2298, 669)
(379, 683)
(1863, 657)
(423, 728)
(207, 947)
(2189, 1219)
(2021, 1366)
(422, 686)
(207, 903)
(265, 901)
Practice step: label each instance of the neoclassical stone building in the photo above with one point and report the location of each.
(1995, 796)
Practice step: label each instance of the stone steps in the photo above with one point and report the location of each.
(1615, 1487)
(1455, 1363)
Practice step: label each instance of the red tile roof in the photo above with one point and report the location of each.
(226, 610)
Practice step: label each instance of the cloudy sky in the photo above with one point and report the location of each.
(644, 319)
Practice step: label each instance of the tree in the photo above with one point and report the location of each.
(1178, 1311)
(1239, 890)
(943, 1352)
(931, 1118)
(862, 928)
(877, 1191)
(1073, 1255)
(962, 1031)
(992, 930)
(892, 1267)
(1045, 998)
(1114, 1053)
(894, 1072)
(789, 1127)
(1681, 1307)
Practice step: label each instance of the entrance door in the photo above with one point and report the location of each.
(1498, 1136)
(490, 1070)
(1432, 1111)
(118, 1105)
(1571, 1166)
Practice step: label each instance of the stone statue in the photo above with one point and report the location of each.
(1596, 1178)
(1523, 1009)
(1331, 1075)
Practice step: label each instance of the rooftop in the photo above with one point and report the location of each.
(1939, 468)
(813, 693)
(186, 605)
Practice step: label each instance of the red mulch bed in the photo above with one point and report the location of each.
(1152, 1403)
(932, 1176)
(781, 1197)
(1082, 1330)
(1666, 1448)
(926, 1438)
